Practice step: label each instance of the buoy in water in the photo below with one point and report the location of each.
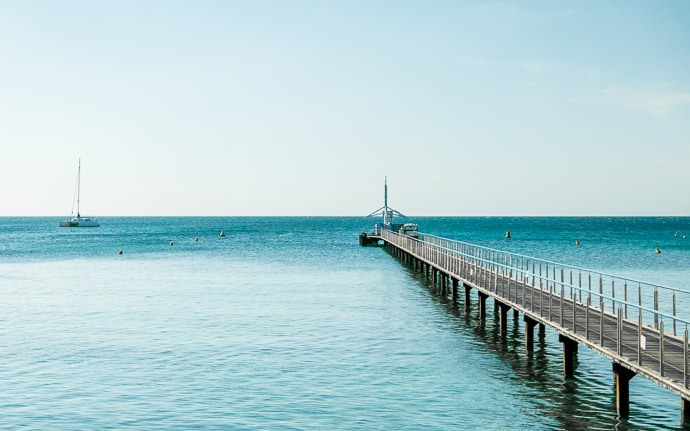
(196, 239)
(508, 234)
(577, 242)
(658, 251)
(120, 252)
(685, 236)
(171, 243)
(222, 233)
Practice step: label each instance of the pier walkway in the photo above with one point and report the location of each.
(632, 323)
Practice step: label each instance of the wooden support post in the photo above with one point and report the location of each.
(529, 333)
(467, 295)
(684, 412)
(569, 351)
(444, 284)
(454, 289)
(516, 314)
(503, 317)
(542, 329)
(435, 274)
(482, 304)
(622, 377)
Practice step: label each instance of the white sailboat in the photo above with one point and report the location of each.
(79, 221)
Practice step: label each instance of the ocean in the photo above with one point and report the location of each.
(288, 324)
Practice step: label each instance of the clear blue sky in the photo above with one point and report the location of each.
(301, 108)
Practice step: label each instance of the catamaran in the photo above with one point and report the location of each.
(79, 221)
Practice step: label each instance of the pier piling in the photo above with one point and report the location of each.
(482, 304)
(529, 333)
(622, 377)
(503, 313)
(569, 351)
(684, 412)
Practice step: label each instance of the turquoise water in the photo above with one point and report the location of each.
(287, 323)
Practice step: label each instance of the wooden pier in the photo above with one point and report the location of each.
(634, 324)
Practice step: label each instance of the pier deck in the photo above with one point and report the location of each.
(632, 323)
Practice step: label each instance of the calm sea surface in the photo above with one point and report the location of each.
(287, 323)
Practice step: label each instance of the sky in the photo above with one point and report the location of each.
(221, 108)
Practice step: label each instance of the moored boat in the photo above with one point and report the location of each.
(79, 221)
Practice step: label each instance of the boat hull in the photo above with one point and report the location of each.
(80, 223)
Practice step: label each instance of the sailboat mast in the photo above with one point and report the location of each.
(78, 185)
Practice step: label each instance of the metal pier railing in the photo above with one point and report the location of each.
(635, 324)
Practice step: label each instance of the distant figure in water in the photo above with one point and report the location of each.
(658, 251)
(577, 242)
(507, 234)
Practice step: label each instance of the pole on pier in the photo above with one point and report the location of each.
(467, 295)
(454, 288)
(622, 377)
(435, 274)
(569, 352)
(482, 304)
(529, 333)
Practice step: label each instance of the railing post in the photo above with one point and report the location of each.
(562, 299)
(661, 348)
(639, 338)
(674, 313)
(496, 280)
(589, 304)
(541, 293)
(656, 308)
(639, 295)
(524, 288)
(550, 289)
(685, 360)
(601, 322)
(619, 335)
(625, 298)
(574, 316)
(531, 290)
(589, 287)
